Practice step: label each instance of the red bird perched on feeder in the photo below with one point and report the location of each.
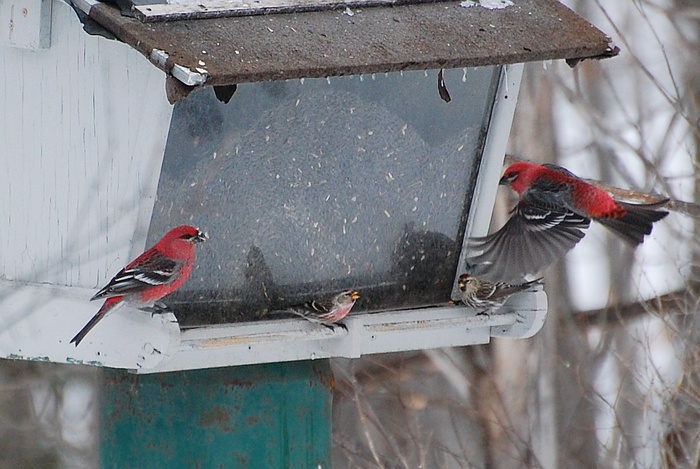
(327, 311)
(154, 274)
(554, 206)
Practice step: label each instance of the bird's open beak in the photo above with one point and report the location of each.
(354, 295)
(462, 281)
(201, 237)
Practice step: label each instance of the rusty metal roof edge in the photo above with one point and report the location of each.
(179, 71)
(575, 56)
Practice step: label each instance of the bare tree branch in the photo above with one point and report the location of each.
(677, 302)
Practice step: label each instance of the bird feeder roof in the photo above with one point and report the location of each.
(342, 41)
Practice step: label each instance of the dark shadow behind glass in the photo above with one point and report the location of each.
(309, 187)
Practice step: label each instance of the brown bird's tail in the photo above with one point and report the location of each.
(637, 222)
(108, 306)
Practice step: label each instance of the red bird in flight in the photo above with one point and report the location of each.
(554, 207)
(157, 272)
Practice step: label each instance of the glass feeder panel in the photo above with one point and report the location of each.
(308, 187)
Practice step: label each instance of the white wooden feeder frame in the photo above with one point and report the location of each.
(84, 137)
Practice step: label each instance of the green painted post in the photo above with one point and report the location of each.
(259, 417)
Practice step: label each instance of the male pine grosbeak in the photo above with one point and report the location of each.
(157, 272)
(554, 206)
(488, 296)
(328, 311)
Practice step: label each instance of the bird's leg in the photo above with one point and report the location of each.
(162, 306)
(157, 308)
(333, 326)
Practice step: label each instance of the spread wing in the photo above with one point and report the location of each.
(538, 233)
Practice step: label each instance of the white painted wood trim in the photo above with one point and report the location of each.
(491, 165)
(495, 147)
(296, 339)
(187, 76)
(183, 9)
(27, 23)
(83, 5)
(40, 320)
(84, 124)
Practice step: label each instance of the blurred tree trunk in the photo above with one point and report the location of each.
(20, 445)
(620, 263)
(566, 369)
(526, 372)
(681, 441)
(39, 415)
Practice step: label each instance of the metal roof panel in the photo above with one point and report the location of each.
(220, 51)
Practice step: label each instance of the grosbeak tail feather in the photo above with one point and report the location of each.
(156, 273)
(110, 305)
(637, 221)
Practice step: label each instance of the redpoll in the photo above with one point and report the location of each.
(328, 311)
(489, 296)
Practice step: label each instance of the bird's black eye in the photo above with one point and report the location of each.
(187, 237)
(511, 175)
